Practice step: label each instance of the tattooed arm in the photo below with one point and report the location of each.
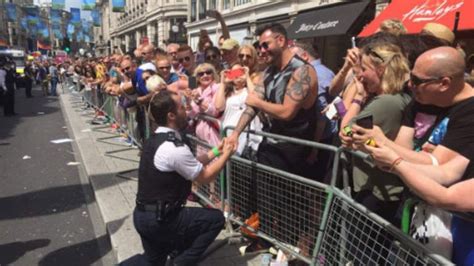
(301, 92)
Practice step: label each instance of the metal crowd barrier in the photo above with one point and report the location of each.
(315, 222)
(213, 194)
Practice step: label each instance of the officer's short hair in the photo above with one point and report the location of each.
(160, 105)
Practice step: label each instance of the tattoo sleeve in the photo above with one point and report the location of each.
(250, 112)
(300, 86)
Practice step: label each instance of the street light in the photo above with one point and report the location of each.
(175, 30)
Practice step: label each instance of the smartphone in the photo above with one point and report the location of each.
(234, 73)
(365, 122)
(192, 82)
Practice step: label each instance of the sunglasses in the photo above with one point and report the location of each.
(417, 81)
(187, 59)
(164, 67)
(263, 45)
(125, 69)
(375, 54)
(212, 57)
(207, 72)
(242, 56)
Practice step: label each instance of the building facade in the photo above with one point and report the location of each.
(14, 35)
(155, 21)
(244, 16)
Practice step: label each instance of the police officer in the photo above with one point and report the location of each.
(8, 69)
(167, 168)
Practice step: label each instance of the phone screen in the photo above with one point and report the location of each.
(234, 73)
(192, 83)
(365, 122)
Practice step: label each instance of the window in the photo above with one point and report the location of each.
(193, 10)
(241, 2)
(226, 4)
(202, 9)
(212, 4)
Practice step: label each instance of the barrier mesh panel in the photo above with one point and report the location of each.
(351, 237)
(289, 210)
(213, 190)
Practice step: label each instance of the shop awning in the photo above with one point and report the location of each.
(335, 20)
(414, 14)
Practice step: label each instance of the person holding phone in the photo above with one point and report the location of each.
(200, 100)
(380, 100)
(230, 99)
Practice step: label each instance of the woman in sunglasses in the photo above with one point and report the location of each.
(248, 58)
(384, 71)
(200, 100)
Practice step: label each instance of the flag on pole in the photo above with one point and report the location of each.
(11, 11)
(58, 4)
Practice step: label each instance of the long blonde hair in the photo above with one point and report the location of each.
(253, 65)
(396, 65)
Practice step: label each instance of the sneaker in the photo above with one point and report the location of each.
(257, 246)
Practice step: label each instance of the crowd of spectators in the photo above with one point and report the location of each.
(415, 88)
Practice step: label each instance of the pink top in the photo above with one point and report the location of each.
(206, 130)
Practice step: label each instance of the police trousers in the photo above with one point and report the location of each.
(185, 234)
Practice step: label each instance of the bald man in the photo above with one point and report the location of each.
(148, 53)
(442, 173)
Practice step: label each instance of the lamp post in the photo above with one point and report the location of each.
(175, 30)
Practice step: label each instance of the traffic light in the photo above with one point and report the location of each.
(67, 45)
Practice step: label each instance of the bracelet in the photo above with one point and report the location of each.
(434, 161)
(395, 163)
(359, 102)
(215, 151)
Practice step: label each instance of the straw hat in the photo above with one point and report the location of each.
(440, 31)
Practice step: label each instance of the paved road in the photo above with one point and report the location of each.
(48, 215)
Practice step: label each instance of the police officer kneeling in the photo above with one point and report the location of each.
(167, 168)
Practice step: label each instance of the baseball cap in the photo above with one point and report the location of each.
(229, 44)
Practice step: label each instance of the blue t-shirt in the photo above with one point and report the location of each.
(173, 78)
(325, 76)
(463, 241)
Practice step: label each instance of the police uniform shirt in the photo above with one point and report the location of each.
(170, 157)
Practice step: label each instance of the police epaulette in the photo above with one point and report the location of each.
(172, 137)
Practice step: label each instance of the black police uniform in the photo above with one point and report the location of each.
(164, 224)
(9, 97)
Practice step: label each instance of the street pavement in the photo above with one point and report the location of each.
(48, 212)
